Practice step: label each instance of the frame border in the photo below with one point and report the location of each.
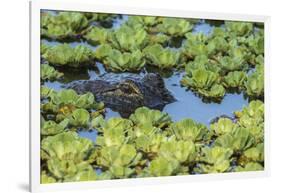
(34, 93)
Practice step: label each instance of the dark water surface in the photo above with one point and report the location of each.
(188, 105)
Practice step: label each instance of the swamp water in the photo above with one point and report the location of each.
(188, 105)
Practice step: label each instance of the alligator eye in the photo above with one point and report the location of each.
(129, 88)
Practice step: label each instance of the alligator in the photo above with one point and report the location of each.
(126, 92)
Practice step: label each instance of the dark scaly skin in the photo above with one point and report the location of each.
(126, 92)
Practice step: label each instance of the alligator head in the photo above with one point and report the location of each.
(126, 92)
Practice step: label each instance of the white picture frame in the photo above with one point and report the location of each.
(36, 6)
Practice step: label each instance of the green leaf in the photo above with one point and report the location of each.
(187, 129)
(65, 25)
(49, 73)
(65, 55)
(146, 116)
(175, 26)
(223, 126)
(163, 58)
(118, 61)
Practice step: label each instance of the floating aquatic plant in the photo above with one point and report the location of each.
(239, 28)
(223, 126)
(65, 25)
(235, 79)
(119, 159)
(255, 83)
(129, 39)
(187, 129)
(175, 26)
(216, 159)
(68, 156)
(49, 73)
(144, 115)
(163, 58)
(97, 35)
(65, 55)
(205, 83)
(52, 128)
(127, 61)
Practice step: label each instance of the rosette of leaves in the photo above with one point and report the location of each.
(97, 35)
(146, 116)
(235, 79)
(239, 28)
(161, 167)
(101, 19)
(46, 179)
(235, 60)
(215, 160)
(255, 83)
(218, 45)
(205, 83)
(158, 38)
(163, 58)
(119, 160)
(202, 61)
(126, 61)
(182, 151)
(103, 51)
(145, 22)
(52, 128)
(175, 26)
(113, 132)
(129, 39)
(187, 129)
(150, 144)
(78, 118)
(49, 73)
(238, 140)
(67, 97)
(223, 126)
(252, 166)
(68, 157)
(256, 43)
(254, 154)
(64, 25)
(196, 45)
(65, 55)
(252, 118)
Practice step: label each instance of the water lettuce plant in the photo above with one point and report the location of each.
(126, 61)
(164, 58)
(239, 28)
(255, 83)
(145, 22)
(97, 35)
(65, 55)
(205, 83)
(49, 73)
(187, 129)
(129, 39)
(215, 160)
(52, 128)
(67, 157)
(146, 116)
(238, 140)
(66, 97)
(223, 126)
(175, 26)
(65, 25)
(118, 160)
(252, 118)
(235, 79)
